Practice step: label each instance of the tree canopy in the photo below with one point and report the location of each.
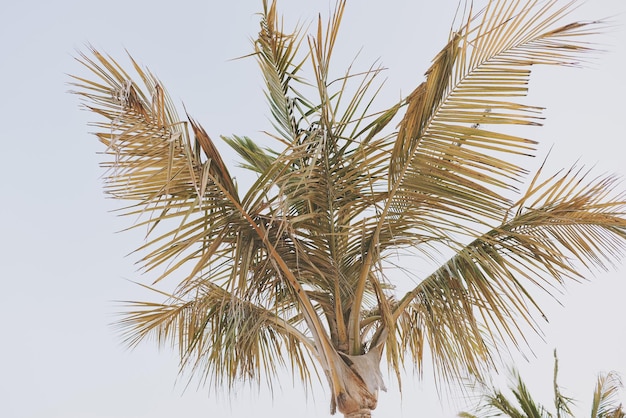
(295, 270)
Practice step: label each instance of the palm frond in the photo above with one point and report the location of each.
(494, 403)
(153, 161)
(531, 408)
(258, 160)
(224, 339)
(445, 150)
(277, 55)
(606, 396)
(448, 171)
(321, 46)
(559, 225)
(562, 403)
(182, 187)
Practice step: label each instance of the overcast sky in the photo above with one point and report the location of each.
(62, 265)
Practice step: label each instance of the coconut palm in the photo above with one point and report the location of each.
(295, 271)
(495, 403)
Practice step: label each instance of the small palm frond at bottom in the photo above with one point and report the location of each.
(606, 397)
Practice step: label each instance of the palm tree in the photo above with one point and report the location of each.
(294, 272)
(495, 403)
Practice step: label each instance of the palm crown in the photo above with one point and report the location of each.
(294, 270)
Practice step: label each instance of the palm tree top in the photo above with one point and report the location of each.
(295, 268)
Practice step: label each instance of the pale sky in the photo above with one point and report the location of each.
(63, 265)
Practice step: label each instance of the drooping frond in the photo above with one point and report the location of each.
(222, 339)
(559, 226)
(184, 196)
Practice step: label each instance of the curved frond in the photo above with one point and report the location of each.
(170, 178)
(184, 196)
(606, 396)
(560, 225)
(446, 150)
(223, 339)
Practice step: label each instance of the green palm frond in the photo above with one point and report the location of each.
(531, 408)
(257, 159)
(276, 53)
(495, 403)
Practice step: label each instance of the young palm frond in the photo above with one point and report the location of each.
(562, 403)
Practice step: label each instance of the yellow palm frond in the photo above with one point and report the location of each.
(154, 162)
(222, 338)
(181, 186)
(445, 150)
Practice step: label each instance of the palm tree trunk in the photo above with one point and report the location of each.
(358, 380)
(361, 413)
